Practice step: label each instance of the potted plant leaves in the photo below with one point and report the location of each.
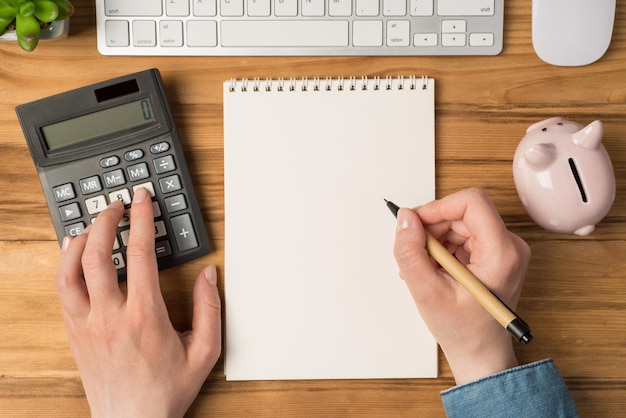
(29, 20)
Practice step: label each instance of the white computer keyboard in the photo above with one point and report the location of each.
(299, 27)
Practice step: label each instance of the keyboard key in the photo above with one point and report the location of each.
(340, 7)
(171, 32)
(465, 7)
(453, 39)
(313, 8)
(398, 33)
(260, 8)
(425, 39)
(394, 7)
(367, 8)
(133, 8)
(285, 8)
(177, 7)
(144, 33)
(116, 33)
(204, 8)
(421, 8)
(453, 26)
(200, 33)
(367, 33)
(231, 7)
(285, 33)
(481, 39)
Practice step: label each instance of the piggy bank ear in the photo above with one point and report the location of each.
(540, 156)
(543, 124)
(590, 137)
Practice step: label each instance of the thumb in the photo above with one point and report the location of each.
(205, 339)
(416, 266)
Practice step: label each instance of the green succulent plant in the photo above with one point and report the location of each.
(28, 17)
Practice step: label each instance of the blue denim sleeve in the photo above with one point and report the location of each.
(534, 390)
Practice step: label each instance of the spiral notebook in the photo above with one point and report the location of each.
(312, 289)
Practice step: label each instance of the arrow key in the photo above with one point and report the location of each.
(69, 212)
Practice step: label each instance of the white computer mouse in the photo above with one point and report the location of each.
(572, 32)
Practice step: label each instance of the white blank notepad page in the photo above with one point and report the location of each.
(312, 289)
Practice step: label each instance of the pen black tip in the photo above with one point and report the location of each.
(392, 207)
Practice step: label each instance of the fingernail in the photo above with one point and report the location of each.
(66, 243)
(140, 195)
(116, 204)
(210, 274)
(403, 221)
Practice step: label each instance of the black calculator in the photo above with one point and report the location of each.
(101, 142)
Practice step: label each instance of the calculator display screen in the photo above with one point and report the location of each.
(102, 122)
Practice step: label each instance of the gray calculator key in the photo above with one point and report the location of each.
(133, 155)
(70, 212)
(164, 164)
(138, 172)
(63, 192)
(74, 230)
(109, 161)
(184, 232)
(170, 184)
(159, 147)
(175, 203)
(90, 185)
(114, 178)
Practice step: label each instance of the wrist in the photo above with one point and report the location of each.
(472, 363)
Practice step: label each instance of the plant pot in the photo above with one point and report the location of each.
(55, 30)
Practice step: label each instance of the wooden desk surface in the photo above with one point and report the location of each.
(575, 292)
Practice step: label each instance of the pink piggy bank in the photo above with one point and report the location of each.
(563, 175)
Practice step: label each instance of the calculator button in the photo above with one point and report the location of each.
(133, 155)
(175, 203)
(118, 260)
(125, 221)
(164, 164)
(163, 248)
(170, 184)
(111, 161)
(148, 186)
(74, 230)
(70, 212)
(184, 233)
(64, 192)
(90, 185)
(114, 178)
(159, 231)
(138, 172)
(123, 195)
(159, 148)
(96, 204)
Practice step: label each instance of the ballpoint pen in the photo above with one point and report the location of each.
(496, 307)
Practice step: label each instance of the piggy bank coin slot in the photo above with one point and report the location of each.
(579, 182)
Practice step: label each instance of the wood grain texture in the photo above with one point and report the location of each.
(575, 291)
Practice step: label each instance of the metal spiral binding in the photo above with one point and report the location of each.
(328, 84)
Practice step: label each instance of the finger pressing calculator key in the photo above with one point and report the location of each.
(100, 143)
